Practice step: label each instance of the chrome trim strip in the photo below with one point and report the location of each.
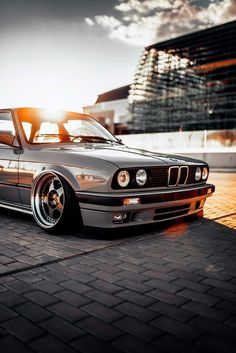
(169, 172)
(132, 193)
(15, 208)
(180, 171)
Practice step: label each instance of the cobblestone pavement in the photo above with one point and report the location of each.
(171, 288)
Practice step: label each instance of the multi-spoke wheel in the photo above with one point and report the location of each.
(52, 202)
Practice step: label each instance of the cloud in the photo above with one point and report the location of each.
(142, 22)
(89, 21)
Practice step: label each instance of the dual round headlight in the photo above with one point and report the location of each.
(123, 177)
(201, 173)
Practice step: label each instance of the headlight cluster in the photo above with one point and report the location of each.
(201, 173)
(124, 177)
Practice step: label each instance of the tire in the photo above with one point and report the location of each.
(54, 204)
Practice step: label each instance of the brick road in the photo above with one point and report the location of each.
(166, 289)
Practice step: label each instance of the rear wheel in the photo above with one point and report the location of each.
(53, 203)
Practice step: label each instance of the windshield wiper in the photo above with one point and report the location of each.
(92, 138)
(83, 138)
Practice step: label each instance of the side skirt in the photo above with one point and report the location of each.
(16, 207)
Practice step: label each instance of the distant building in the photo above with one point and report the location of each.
(186, 83)
(111, 109)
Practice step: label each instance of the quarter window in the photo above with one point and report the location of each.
(6, 122)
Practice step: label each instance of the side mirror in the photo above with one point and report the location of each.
(7, 138)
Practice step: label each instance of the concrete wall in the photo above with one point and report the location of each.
(217, 148)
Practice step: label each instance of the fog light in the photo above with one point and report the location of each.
(209, 191)
(132, 201)
(119, 217)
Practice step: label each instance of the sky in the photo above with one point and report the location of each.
(63, 53)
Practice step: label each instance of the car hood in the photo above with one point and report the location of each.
(121, 156)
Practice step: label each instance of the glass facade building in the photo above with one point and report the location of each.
(187, 83)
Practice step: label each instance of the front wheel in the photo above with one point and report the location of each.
(53, 203)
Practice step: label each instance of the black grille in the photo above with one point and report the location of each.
(173, 176)
(158, 177)
(183, 175)
(161, 176)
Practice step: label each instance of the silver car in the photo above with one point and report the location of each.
(64, 168)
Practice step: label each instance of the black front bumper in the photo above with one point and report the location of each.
(98, 208)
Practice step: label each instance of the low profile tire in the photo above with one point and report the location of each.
(54, 204)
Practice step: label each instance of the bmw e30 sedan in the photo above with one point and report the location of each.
(64, 167)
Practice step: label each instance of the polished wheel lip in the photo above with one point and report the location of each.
(48, 200)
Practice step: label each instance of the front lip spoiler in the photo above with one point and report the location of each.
(114, 199)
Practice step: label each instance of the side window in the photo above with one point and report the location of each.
(6, 123)
(7, 126)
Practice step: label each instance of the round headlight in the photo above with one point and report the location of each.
(141, 177)
(198, 174)
(123, 178)
(204, 173)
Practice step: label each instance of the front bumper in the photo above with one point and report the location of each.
(98, 209)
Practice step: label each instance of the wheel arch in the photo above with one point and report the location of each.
(61, 171)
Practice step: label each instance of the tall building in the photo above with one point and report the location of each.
(186, 83)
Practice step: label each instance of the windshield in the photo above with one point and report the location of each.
(43, 126)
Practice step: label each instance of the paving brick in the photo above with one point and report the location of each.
(176, 328)
(41, 298)
(131, 344)
(214, 328)
(103, 298)
(163, 285)
(11, 299)
(33, 312)
(109, 277)
(10, 344)
(92, 344)
(213, 344)
(136, 311)
(159, 275)
(220, 284)
(196, 286)
(48, 287)
(27, 277)
(107, 268)
(76, 286)
(222, 294)
(136, 298)
(61, 329)
(54, 276)
(6, 313)
(231, 321)
(99, 328)
(139, 329)
(106, 286)
(227, 306)
(131, 267)
(167, 297)
(199, 297)
(205, 310)
(78, 275)
(170, 343)
(83, 268)
(67, 312)
(19, 287)
(22, 329)
(186, 275)
(172, 311)
(102, 312)
(136, 277)
(72, 298)
(138, 287)
(49, 344)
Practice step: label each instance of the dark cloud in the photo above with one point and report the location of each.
(21, 13)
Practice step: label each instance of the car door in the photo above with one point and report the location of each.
(9, 156)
